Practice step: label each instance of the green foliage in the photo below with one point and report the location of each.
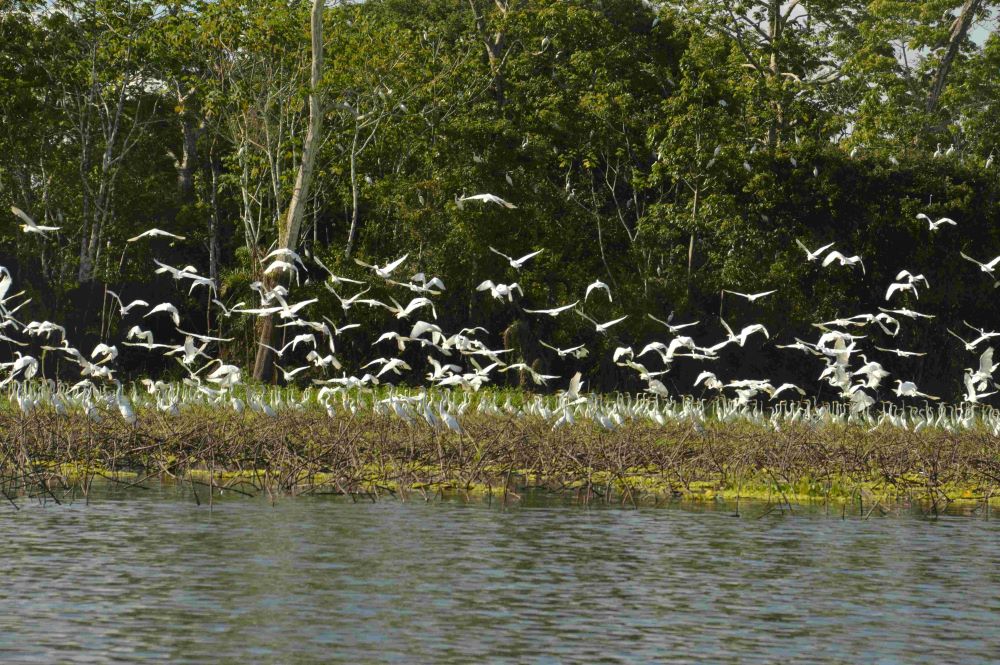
(671, 152)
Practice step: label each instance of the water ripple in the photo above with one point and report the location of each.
(155, 578)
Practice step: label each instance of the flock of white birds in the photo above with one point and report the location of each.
(459, 360)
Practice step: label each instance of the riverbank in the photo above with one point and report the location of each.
(373, 455)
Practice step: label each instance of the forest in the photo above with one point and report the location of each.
(672, 150)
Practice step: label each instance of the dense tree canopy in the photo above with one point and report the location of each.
(669, 149)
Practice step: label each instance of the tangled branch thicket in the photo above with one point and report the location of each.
(46, 455)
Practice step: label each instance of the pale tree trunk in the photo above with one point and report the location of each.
(774, 33)
(353, 233)
(495, 46)
(959, 30)
(189, 159)
(694, 223)
(289, 235)
(215, 171)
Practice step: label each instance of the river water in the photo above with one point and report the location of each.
(154, 577)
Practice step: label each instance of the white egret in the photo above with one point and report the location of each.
(902, 353)
(288, 375)
(537, 378)
(751, 297)
(909, 389)
(970, 346)
(517, 264)
(124, 309)
(39, 328)
(901, 286)
(843, 260)
(908, 313)
(124, 405)
(602, 328)
(227, 311)
(487, 198)
(279, 265)
(774, 392)
(555, 311)
(394, 365)
(386, 270)
(109, 352)
(710, 380)
(578, 351)
(813, 254)
(501, 291)
(156, 233)
(741, 338)
(988, 268)
(335, 279)
(972, 394)
(934, 225)
(175, 315)
(669, 323)
(29, 225)
(176, 273)
(598, 285)
(984, 373)
(402, 312)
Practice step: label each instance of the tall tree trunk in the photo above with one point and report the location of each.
(352, 234)
(774, 39)
(213, 220)
(495, 46)
(959, 30)
(289, 235)
(188, 162)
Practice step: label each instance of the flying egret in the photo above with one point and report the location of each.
(971, 346)
(517, 264)
(741, 338)
(166, 307)
(501, 291)
(901, 286)
(386, 270)
(555, 311)
(774, 392)
(972, 394)
(985, 267)
(813, 254)
(902, 353)
(669, 323)
(432, 286)
(843, 260)
(176, 273)
(288, 375)
(335, 279)
(394, 365)
(39, 328)
(578, 351)
(227, 311)
(487, 198)
(934, 225)
(280, 265)
(908, 313)
(402, 312)
(598, 285)
(109, 352)
(156, 233)
(984, 373)
(602, 328)
(29, 225)
(124, 309)
(909, 389)
(751, 297)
